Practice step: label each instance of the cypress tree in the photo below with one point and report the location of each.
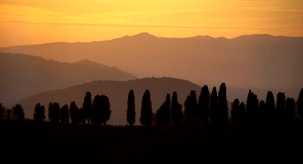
(280, 107)
(190, 104)
(176, 110)
(252, 105)
(18, 111)
(222, 104)
(236, 110)
(203, 104)
(300, 103)
(50, 112)
(39, 114)
(105, 109)
(163, 113)
(56, 113)
(290, 108)
(74, 113)
(146, 109)
(131, 113)
(270, 106)
(214, 106)
(87, 107)
(262, 110)
(242, 111)
(64, 114)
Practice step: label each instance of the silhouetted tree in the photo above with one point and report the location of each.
(290, 108)
(2, 109)
(222, 101)
(101, 110)
(131, 113)
(235, 110)
(163, 113)
(252, 107)
(87, 106)
(300, 103)
(74, 113)
(39, 114)
(280, 107)
(64, 114)
(242, 111)
(54, 112)
(190, 104)
(176, 110)
(203, 104)
(262, 110)
(82, 116)
(146, 109)
(270, 106)
(214, 106)
(18, 111)
(8, 111)
(50, 112)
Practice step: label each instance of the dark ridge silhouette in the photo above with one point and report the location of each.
(190, 104)
(222, 104)
(131, 112)
(100, 110)
(87, 107)
(64, 114)
(290, 109)
(270, 106)
(214, 106)
(146, 109)
(235, 110)
(18, 111)
(39, 115)
(280, 107)
(2, 109)
(300, 103)
(74, 113)
(163, 113)
(32, 75)
(203, 104)
(176, 110)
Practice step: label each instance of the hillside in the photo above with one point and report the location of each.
(117, 92)
(24, 75)
(259, 61)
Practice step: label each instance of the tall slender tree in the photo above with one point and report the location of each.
(300, 103)
(146, 109)
(64, 113)
(176, 110)
(280, 107)
(131, 113)
(203, 104)
(163, 114)
(236, 109)
(190, 104)
(270, 106)
(214, 106)
(222, 101)
(87, 106)
(290, 108)
(242, 111)
(55, 113)
(18, 111)
(262, 110)
(39, 114)
(74, 113)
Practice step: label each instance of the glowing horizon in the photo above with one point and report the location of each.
(36, 22)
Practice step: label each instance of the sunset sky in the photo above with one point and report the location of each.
(40, 21)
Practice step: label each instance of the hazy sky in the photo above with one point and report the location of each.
(40, 21)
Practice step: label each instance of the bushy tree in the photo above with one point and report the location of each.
(235, 110)
(270, 106)
(64, 114)
(280, 107)
(101, 110)
(74, 113)
(87, 106)
(190, 104)
(2, 109)
(203, 104)
(300, 103)
(18, 111)
(222, 101)
(146, 109)
(163, 113)
(39, 114)
(131, 113)
(214, 106)
(176, 110)
(290, 108)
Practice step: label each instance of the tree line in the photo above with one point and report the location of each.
(209, 107)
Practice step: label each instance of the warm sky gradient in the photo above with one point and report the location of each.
(40, 21)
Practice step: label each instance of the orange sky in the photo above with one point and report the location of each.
(40, 21)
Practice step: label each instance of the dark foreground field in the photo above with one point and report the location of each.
(187, 143)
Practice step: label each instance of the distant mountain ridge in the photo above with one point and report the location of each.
(25, 75)
(117, 92)
(259, 61)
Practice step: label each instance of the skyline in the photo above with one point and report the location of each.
(37, 22)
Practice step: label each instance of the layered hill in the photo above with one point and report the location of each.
(24, 75)
(260, 61)
(117, 92)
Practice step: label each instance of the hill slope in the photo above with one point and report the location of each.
(24, 75)
(117, 92)
(260, 61)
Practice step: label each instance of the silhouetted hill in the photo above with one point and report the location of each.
(260, 61)
(24, 75)
(117, 92)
